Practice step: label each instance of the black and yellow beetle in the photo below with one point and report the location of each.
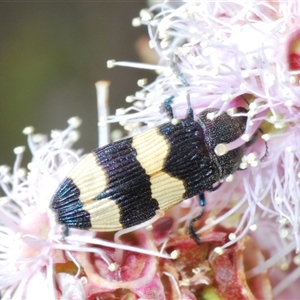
(124, 183)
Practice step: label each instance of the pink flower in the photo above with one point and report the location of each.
(219, 53)
(211, 54)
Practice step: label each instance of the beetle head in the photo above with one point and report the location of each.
(223, 129)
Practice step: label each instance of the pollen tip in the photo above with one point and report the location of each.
(120, 111)
(284, 266)
(245, 137)
(175, 121)
(74, 122)
(19, 150)
(110, 63)
(266, 137)
(243, 165)
(102, 121)
(296, 259)
(84, 280)
(116, 134)
(129, 99)
(221, 149)
(113, 267)
(219, 250)
(290, 149)
(142, 82)
(232, 236)
(210, 116)
(28, 130)
(226, 97)
(55, 134)
(145, 15)
(174, 254)
(231, 111)
(74, 135)
(149, 228)
(136, 22)
(229, 178)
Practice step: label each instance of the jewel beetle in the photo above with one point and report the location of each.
(126, 182)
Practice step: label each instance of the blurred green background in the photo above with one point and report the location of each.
(51, 55)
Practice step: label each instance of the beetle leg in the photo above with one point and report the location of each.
(168, 107)
(214, 188)
(66, 231)
(192, 231)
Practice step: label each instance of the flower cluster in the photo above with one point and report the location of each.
(211, 54)
(224, 55)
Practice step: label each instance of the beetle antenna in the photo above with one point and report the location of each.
(261, 131)
(179, 75)
(177, 72)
